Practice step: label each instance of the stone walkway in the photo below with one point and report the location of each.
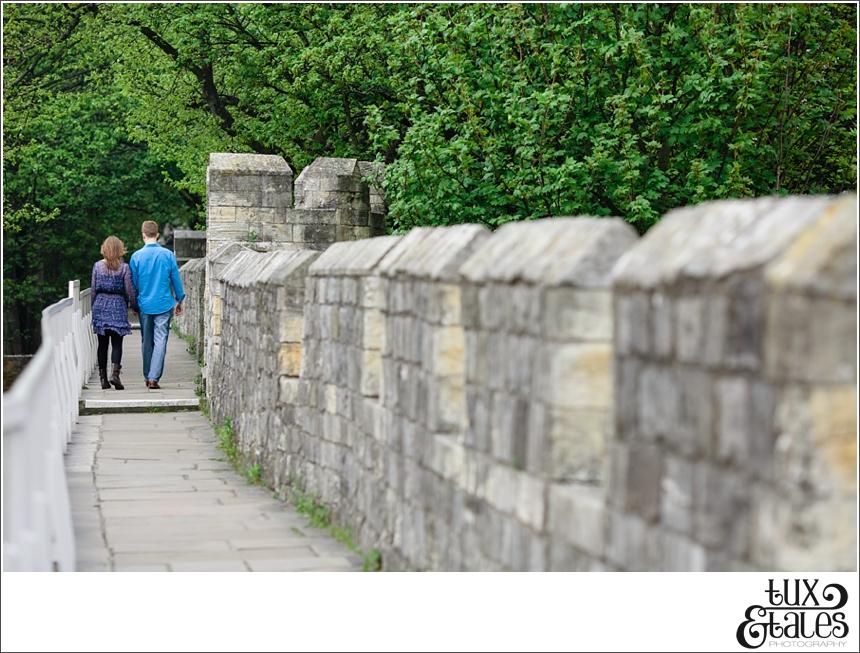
(150, 491)
(177, 384)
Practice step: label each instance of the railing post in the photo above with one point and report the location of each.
(75, 292)
(78, 360)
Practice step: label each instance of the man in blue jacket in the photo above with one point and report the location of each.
(156, 276)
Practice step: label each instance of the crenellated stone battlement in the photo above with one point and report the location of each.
(556, 395)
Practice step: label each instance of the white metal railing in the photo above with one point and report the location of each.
(40, 412)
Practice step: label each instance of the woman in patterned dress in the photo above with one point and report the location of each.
(112, 294)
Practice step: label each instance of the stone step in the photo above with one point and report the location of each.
(105, 406)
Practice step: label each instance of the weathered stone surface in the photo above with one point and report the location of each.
(577, 514)
(507, 401)
(249, 164)
(715, 239)
(357, 258)
(736, 333)
(433, 253)
(556, 251)
(573, 314)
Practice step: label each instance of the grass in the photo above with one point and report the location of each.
(254, 474)
(305, 504)
(227, 441)
(191, 341)
(201, 394)
(319, 516)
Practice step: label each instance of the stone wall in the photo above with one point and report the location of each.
(559, 395)
(735, 345)
(257, 367)
(192, 322)
(338, 431)
(253, 204)
(188, 244)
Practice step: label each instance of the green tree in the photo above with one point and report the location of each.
(72, 175)
(491, 113)
(630, 110)
(293, 80)
(484, 113)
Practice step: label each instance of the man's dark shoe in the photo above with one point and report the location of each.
(153, 385)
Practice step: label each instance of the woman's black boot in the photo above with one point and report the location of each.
(103, 378)
(114, 378)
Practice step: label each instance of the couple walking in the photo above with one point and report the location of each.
(148, 284)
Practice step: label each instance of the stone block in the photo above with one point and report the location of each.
(290, 359)
(477, 357)
(319, 233)
(577, 314)
(642, 480)
(371, 373)
(662, 325)
(451, 404)
(632, 544)
(288, 390)
(501, 489)
(577, 514)
(721, 510)
(256, 214)
(691, 431)
(290, 328)
(277, 199)
(449, 352)
(626, 395)
(833, 417)
(577, 440)
(234, 198)
(676, 497)
(793, 534)
(690, 325)
(539, 452)
(373, 329)
(659, 402)
(470, 306)
(734, 433)
(492, 299)
(631, 319)
(531, 503)
(566, 557)
(679, 553)
(580, 376)
(478, 418)
(449, 304)
(448, 459)
(518, 362)
(372, 292)
(220, 214)
(744, 323)
(509, 429)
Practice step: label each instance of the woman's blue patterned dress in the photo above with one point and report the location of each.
(112, 294)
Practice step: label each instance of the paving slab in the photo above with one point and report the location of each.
(152, 492)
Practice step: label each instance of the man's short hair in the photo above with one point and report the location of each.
(149, 229)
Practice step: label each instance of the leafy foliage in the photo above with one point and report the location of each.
(630, 110)
(71, 174)
(495, 113)
(484, 113)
